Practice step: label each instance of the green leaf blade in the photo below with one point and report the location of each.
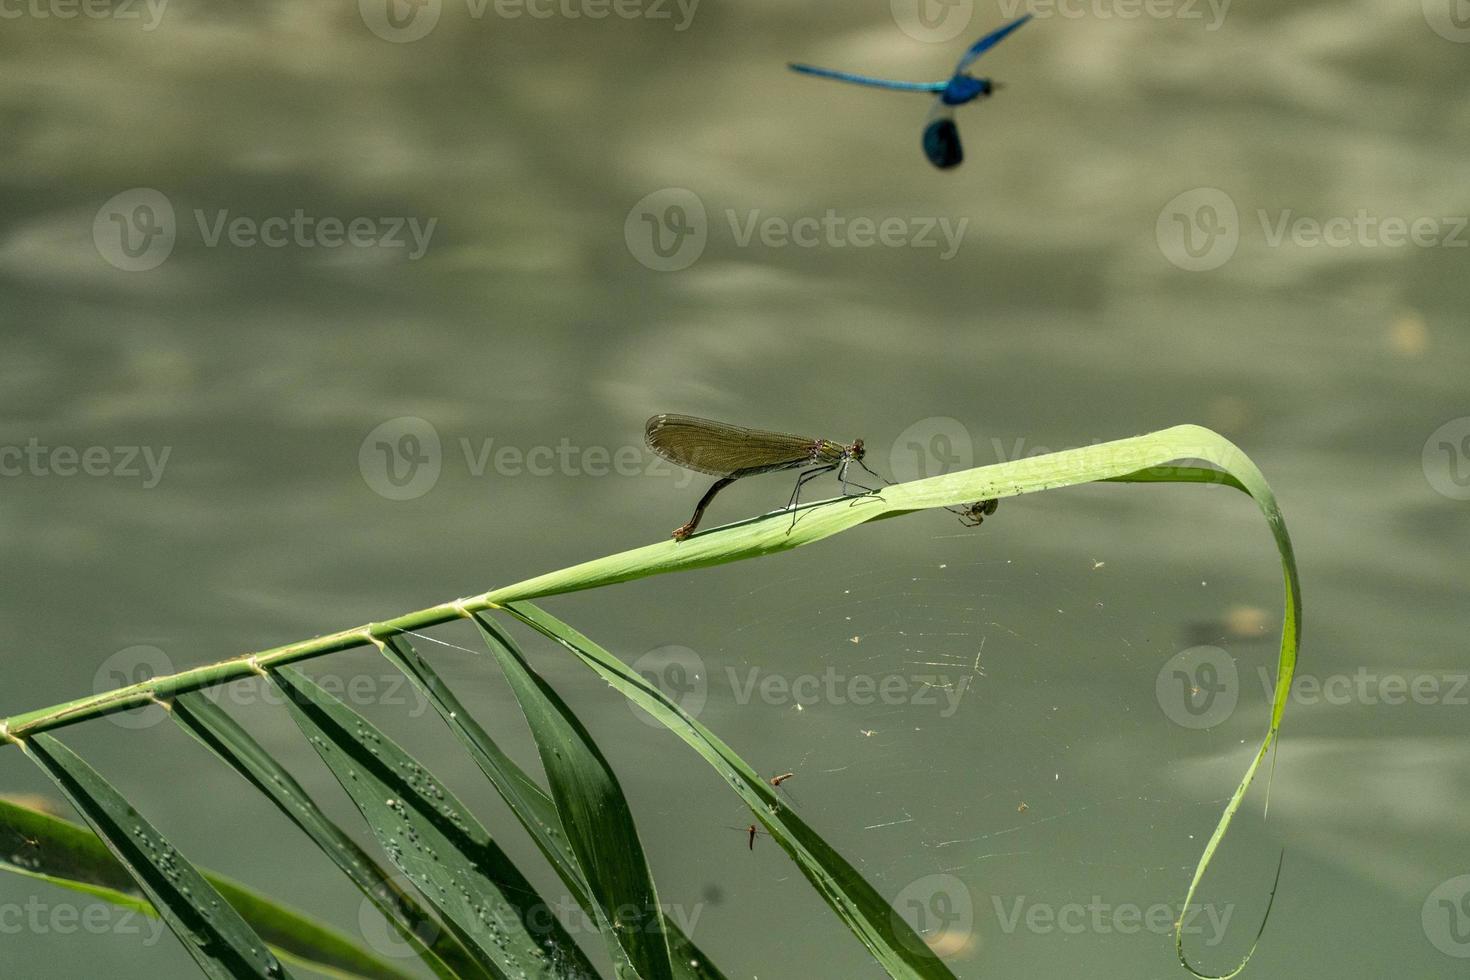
(436, 842)
(212, 932)
(218, 732)
(595, 814)
(530, 804)
(47, 848)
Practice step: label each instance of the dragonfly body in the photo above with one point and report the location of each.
(731, 452)
(965, 88)
(941, 136)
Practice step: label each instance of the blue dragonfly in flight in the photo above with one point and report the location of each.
(941, 135)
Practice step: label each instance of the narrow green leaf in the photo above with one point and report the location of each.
(529, 802)
(432, 838)
(209, 927)
(887, 936)
(218, 732)
(594, 813)
(47, 848)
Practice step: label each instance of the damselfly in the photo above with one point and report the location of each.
(941, 135)
(731, 452)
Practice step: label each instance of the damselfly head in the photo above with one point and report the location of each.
(856, 450)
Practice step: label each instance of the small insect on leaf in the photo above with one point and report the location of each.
(751, 832)
(973, 515)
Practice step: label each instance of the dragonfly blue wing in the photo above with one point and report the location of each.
(845, 76)
(989, 41)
